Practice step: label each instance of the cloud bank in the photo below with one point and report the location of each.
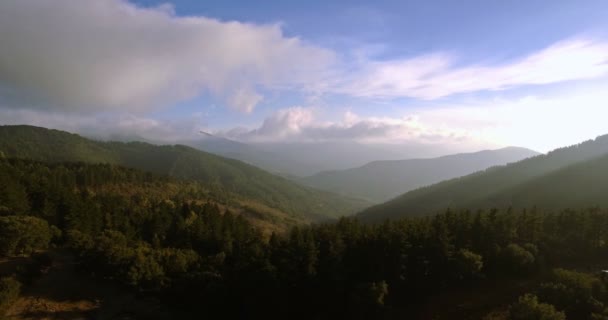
(91, 55)
(125, 127)
(298, 124)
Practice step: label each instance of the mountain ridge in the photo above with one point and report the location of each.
(489, 188)
(378, 181)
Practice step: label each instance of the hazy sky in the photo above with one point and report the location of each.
(488, 73)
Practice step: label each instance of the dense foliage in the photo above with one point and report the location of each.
(235, 179)
(151, 235)
(183, 244)
(24, 235)
(528, 308)
(215, 264)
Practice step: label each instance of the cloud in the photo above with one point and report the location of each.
(542, 123)
(298, 124)
(99, 67)
(92, 55)
(283, 124)
(436, 75)
(126, 127)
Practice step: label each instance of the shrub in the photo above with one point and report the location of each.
(468, 263)
(528, 308)
(578, 294)
(24, 235)
(518, 259)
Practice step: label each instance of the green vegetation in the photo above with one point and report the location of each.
(237, 181)
(528, 308)
(580, 295)
(92, 197)
(354, 269)
(572, 177)
(24, 235)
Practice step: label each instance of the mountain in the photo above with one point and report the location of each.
(276, 163)
(238, 181)
(341, 155)
(569, 177)
(380, 181)
(302, 159)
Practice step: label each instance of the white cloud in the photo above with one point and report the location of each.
(283, 124)
(109, 127)
(111, 55)
(541, 123)
(298, 124)
(91, 55)
(433, 76)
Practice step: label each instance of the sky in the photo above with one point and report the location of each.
(471, 74)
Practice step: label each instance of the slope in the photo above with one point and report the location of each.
(238, 181)
(581, 185)
(382, 180)
(495, 186)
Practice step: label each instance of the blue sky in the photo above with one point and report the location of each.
(476, 73)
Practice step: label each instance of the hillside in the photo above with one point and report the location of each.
(555, 180)
(50, 189)
(242, 182)
(578, 186)
(380, 181)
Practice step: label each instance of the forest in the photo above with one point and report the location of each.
(176, 242)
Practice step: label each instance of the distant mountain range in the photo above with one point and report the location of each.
(380, 181)
(571, 177)
(301, 159)
(237, 181)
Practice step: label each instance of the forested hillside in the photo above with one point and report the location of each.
(244, 182)
(104, 196)
(175, 242)
(380, 181)
(565, 178)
